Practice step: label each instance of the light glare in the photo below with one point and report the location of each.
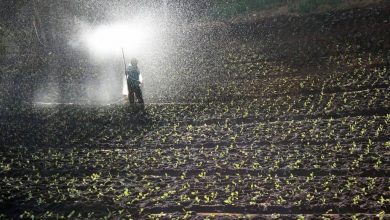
(109, 39)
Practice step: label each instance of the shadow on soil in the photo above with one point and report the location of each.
(73, 125)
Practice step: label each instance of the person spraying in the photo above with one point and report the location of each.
(133, 82)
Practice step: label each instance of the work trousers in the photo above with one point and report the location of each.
(134, 90)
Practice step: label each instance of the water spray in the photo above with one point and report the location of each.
(106, 40)
(124, 60)
(125, 90)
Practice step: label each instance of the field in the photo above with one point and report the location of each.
(290, 121)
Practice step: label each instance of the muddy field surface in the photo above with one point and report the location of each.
(285, 123)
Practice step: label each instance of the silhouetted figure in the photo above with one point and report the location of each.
(133, 82)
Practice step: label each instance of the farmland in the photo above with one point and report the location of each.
(287, 122)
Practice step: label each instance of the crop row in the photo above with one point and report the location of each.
(269, 87)
(329, 83)
(286, 107)
(93, 123)
(361, 158)
(309, 130)
(147, 193)
(198, 124)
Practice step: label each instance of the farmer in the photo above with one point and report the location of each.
(133, 82)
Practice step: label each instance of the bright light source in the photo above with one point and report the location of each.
(106, 41)
(109, 39)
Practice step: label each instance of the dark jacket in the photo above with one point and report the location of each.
(132, 75)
